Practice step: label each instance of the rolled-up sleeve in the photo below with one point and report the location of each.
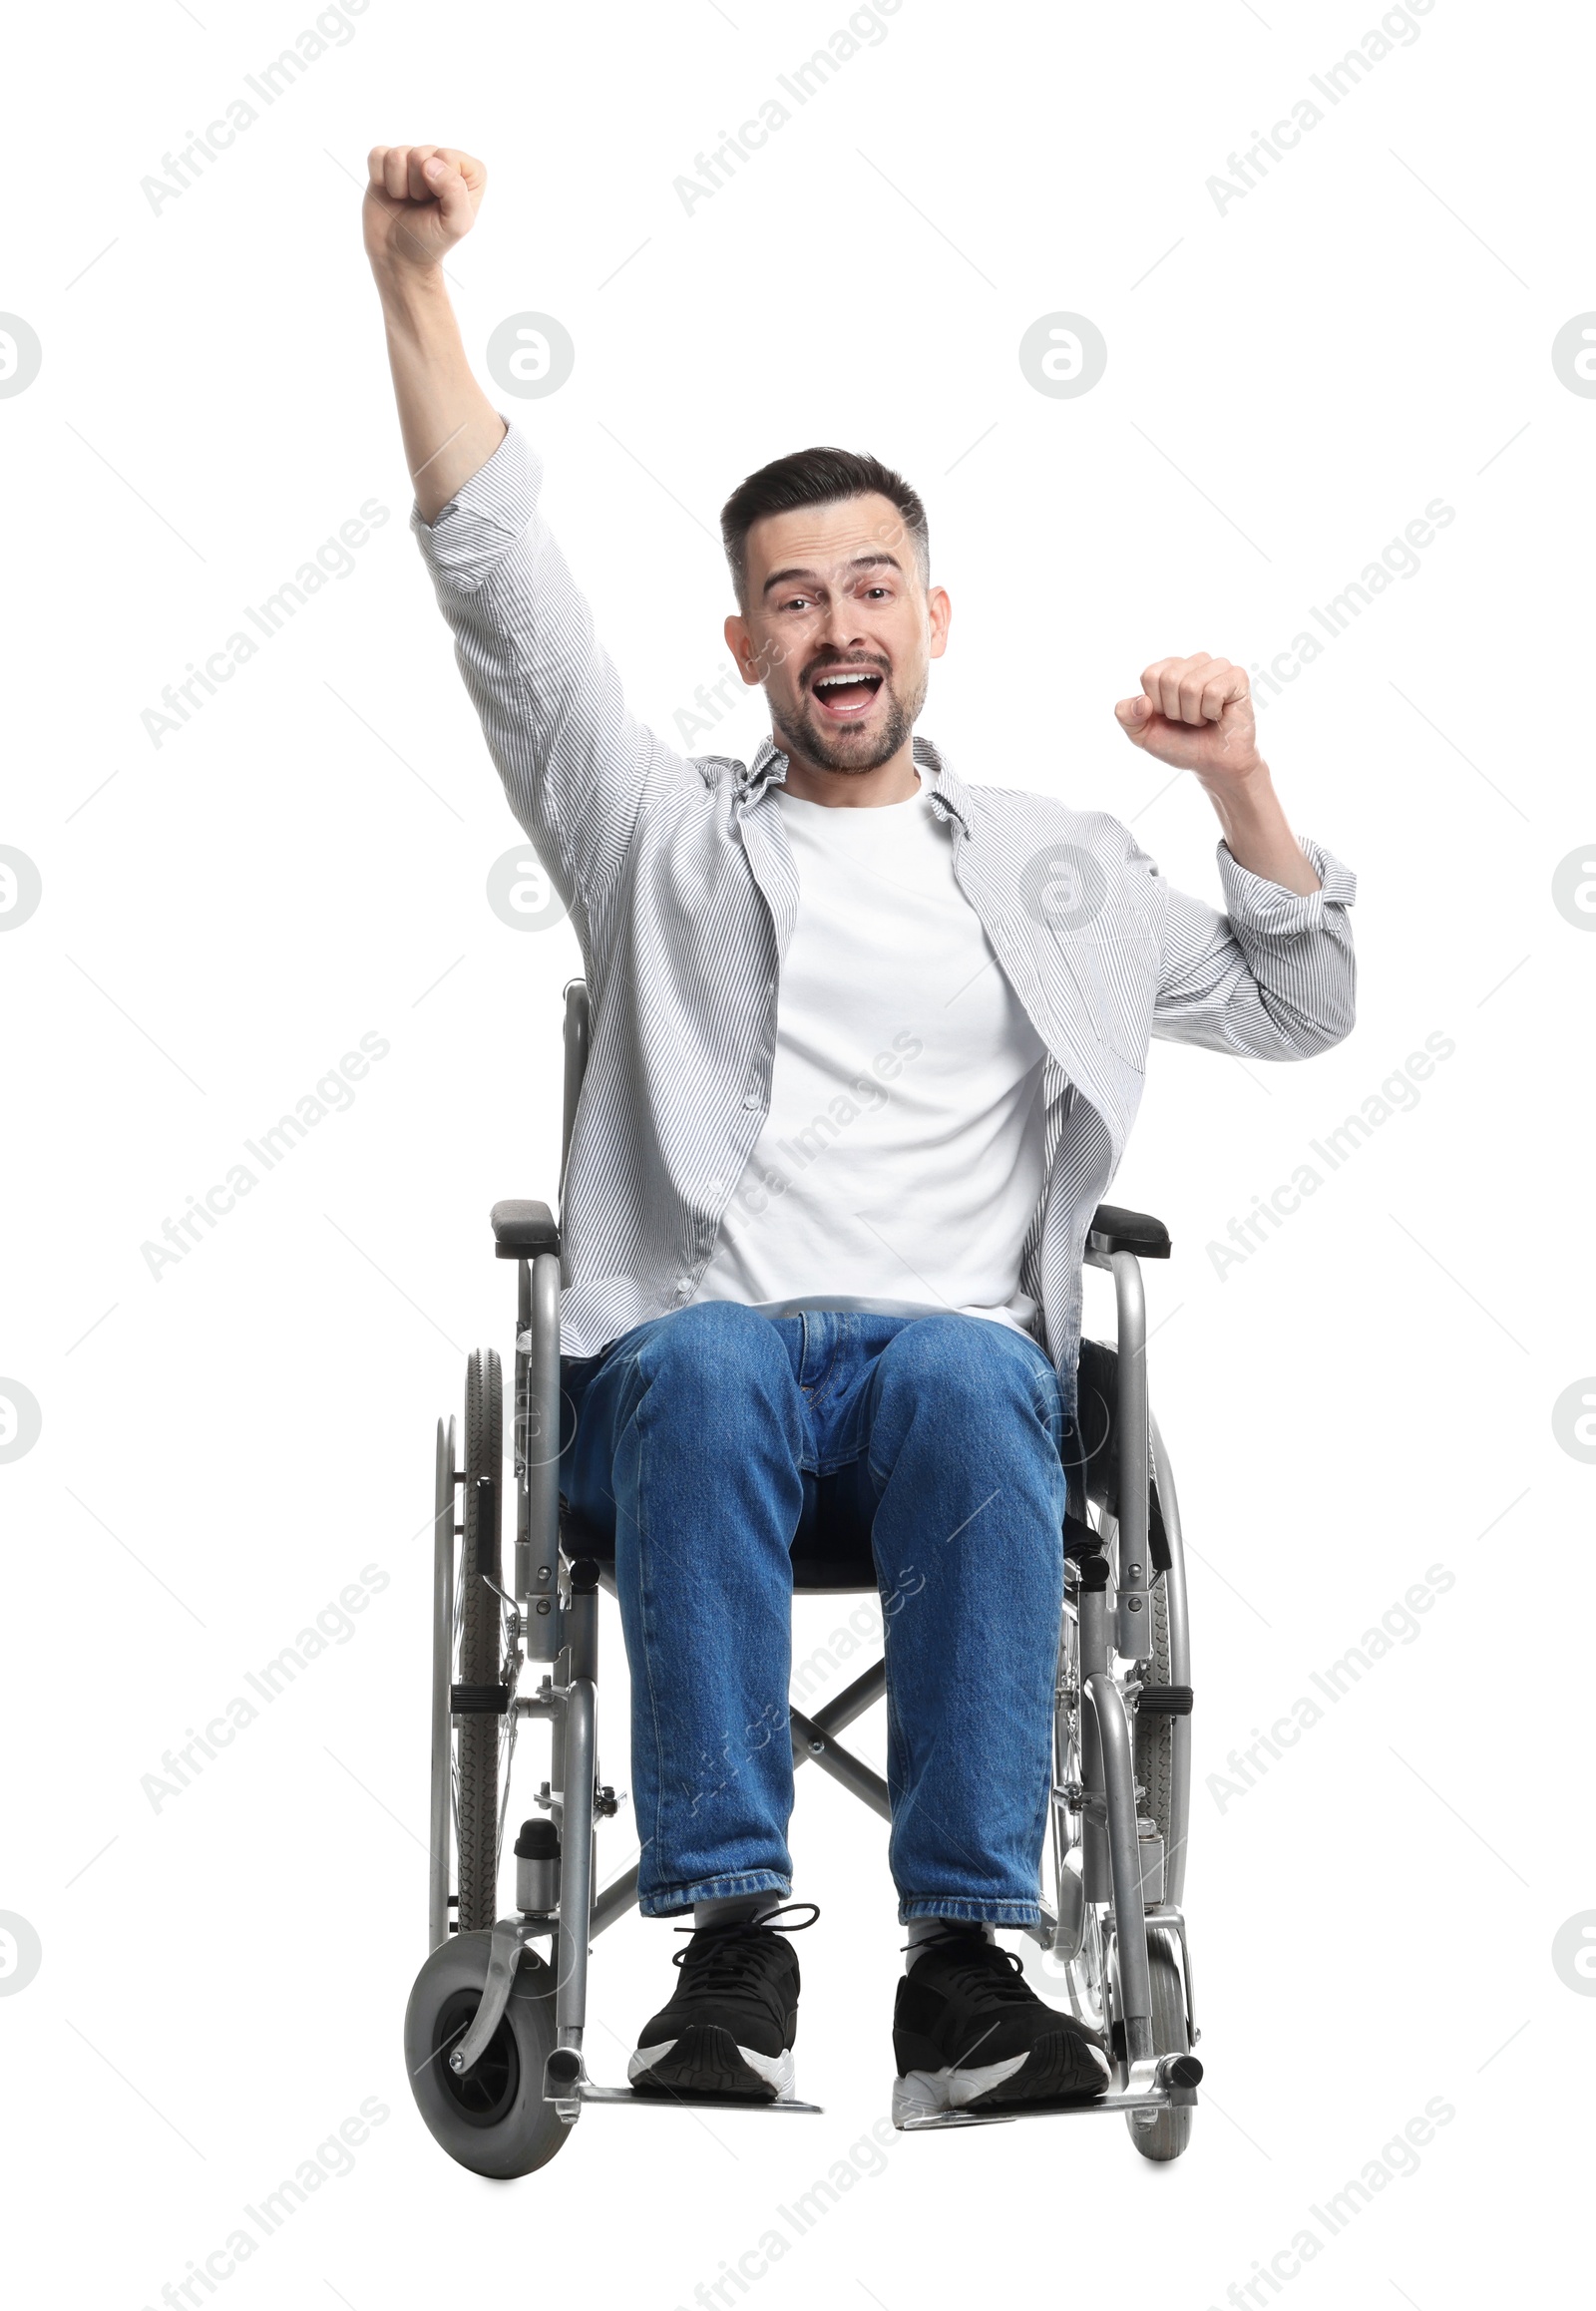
(577, 767)
(1273, 975)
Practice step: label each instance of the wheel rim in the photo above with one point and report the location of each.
(489, 2088)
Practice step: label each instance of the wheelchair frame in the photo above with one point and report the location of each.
(1118, 1876)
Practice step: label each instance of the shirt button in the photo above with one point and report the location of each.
(683, 1285)
(716, 1187)
(753, 1099)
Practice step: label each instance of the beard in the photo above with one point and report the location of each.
(852, 753)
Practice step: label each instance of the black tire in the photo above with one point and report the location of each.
(1170, 2131)
(477, 1830)
(1154, 1733)
(494, 2119)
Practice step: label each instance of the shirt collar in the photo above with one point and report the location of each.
(947, 795)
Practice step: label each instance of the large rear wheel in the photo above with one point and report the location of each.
(1153, 1730)
(480, 1644)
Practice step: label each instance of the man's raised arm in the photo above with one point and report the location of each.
(421, 201)
(577, 768)
(1275, 976)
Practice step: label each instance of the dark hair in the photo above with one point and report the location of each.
(817, 477)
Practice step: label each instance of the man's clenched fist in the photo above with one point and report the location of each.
(421, 201)
(1195, 714)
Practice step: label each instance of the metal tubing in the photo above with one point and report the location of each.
(808, 1738)
(1065, 1929)
(575, 1863)
(1179, 1674)
(537, 1563)
(443, 1619)
(1124, 1856)
(557, 1737)
(1093, 1620)
(618, 1896)
(518, 1427)
(582, 1632)
(1091, 1615)
(853, 1701)
(1133, 1636)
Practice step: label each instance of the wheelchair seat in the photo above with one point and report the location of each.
(821, 1566)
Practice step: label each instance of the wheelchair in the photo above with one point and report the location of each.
(494, 2030)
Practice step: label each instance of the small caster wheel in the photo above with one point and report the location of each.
(1170, 2131)
(494, 2119)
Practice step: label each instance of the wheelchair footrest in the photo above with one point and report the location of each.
(566, 2085)
(1109, 2101)
(1158, 2083)
(589, 2092)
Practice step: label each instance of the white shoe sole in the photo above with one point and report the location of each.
(778, 2071)
(926, 2094)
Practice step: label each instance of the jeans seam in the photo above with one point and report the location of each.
(645, 1610)
(844, 1453)
(972, 1909)
(816, 1388)
(715, 1887)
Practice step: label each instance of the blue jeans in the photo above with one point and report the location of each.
(705, 1442)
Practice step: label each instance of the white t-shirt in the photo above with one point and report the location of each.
(902, 1157)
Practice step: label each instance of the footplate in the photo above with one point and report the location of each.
(1163, 2083)
(568, 2086)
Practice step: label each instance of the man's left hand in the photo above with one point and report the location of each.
(1195, 714)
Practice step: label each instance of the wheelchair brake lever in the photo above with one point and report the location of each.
(505, 1598)
(514, 1653)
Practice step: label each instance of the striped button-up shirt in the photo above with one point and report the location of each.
(682, 889)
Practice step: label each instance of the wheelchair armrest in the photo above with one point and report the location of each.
(522, 1230)
(1113, 1229)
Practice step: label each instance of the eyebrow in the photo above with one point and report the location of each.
(860, 562)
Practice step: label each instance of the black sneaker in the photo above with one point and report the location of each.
(731, 2025)
(970, 2034)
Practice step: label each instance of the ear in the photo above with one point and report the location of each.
(744, 649)
(939, 612)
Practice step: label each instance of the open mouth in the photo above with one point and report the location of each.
(847, 694)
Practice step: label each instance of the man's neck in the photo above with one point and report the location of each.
(894, 781)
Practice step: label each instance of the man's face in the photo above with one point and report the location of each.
(840, 631)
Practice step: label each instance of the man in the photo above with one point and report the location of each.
(862, 1030)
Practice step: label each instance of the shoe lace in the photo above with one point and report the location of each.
(724, 1955)
(986, 1965)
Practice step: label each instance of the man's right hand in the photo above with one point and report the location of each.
(421, 201)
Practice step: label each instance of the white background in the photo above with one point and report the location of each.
(1289, 383)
